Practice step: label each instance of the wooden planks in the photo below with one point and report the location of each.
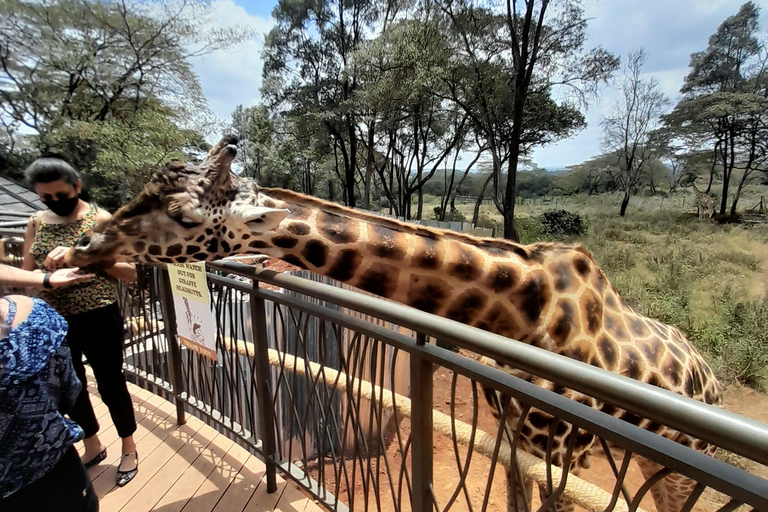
(187, 468)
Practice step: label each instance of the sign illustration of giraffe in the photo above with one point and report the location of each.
(553, 296)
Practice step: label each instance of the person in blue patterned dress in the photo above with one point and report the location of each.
(40, 469)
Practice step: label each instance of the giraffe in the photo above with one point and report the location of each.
(705, 204)
(549, 295)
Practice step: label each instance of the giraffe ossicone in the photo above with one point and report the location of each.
(553, 296)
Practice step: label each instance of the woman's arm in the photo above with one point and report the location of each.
(29, 238)
(19, 278)
(122, 271)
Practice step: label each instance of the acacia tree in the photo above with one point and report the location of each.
(629, 130)
(724, 100)
(509, 58)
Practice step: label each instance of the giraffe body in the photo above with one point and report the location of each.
(552, 296)
(705, 204)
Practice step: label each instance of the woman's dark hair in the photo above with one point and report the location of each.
(51, 167)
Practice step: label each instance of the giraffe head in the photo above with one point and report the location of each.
(186, 213)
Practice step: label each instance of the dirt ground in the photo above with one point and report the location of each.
(447, 478)
(447, 475)
(742, 400)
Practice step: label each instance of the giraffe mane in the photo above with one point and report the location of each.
(534, 251)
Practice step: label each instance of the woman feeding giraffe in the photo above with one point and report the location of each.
(90, 308)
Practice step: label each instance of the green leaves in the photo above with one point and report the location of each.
(725, 100)
(118, 159)
(108, 82)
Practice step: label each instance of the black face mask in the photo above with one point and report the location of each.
(62, 207)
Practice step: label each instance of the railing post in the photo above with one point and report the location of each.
(264, 388)
(174, 349)
(421, 430)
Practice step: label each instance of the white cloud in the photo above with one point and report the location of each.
(233, 76)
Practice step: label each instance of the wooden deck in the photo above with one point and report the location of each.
(190, 468)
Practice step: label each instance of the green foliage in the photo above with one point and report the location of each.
(562, 222)
(531, 230)
(452, 216)
(383, 106)
(725, 100)
(692, 276)
(117, 160)
(110, 83)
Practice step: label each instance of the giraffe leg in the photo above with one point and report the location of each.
(561, 504)
(518, 494)
(670, 493)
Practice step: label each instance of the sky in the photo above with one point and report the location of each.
(669, 30)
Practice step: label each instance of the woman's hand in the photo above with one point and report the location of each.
(68, 277)
(55, 258)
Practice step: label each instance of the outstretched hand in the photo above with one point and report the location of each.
(55, 258)
(68, 277)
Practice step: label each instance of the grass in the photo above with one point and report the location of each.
(710, 280)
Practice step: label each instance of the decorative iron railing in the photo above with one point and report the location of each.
(368, 404)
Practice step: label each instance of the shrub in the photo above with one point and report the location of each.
(530, 230)
(562, 222)
(485, 221)
(453, 215)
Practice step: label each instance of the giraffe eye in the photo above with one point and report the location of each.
(186, 223)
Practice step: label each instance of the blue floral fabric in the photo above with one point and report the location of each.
(38, 386)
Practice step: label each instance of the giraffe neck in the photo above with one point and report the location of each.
(493, 284)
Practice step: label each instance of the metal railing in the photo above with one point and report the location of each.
(295, 360)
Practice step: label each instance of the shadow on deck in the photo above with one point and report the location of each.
(186, 468)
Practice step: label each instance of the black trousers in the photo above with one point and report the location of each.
(98, 335)
(65, 488)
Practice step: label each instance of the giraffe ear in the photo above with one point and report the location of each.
(261, 218)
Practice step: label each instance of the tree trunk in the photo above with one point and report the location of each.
(407, 207)
(369, 168)
(420, 202)
(727, 169)
(479, 202)
(742, 182)
(510, 194)
(351, 168)
(624, 203)
(510, 232)
(712, 171)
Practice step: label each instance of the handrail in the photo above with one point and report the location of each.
(730, 431)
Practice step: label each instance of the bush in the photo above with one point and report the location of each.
(485, 221)
(453, 215)
(530, 230)
(561, 222)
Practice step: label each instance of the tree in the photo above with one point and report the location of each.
(512, 58)
(118, 159)
(309, 69)
(724, 99)
(256, 134)
(88, 61)
(629, 130)
(82, 72)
